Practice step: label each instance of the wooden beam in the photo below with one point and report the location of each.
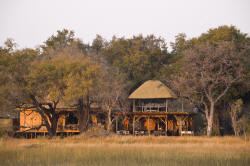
(158, 124)
(152, 113)
(162, 120)
(155, 116)
(166, 124)
(166, 105)
(181, 104)
(137, 118)
(134, 105)
(133, 125)
(148, 126)
(116, 124)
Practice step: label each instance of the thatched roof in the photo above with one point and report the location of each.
(152, 89)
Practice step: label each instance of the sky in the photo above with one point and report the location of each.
(31, 22)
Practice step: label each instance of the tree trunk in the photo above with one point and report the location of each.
(53, 127)
(109, 125)
(83, 120)
(234, 123)
(210, 120)
(83, 116)
(216, 124)
(50, 123)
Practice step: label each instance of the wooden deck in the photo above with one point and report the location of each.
(152, 113)
(37, 131)
(159, 123)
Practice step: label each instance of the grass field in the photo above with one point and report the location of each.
(125, 150)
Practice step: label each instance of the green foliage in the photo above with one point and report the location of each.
(15, 66)
(224, 33)
(63, 39)
(139, 58)
(98, 44)
(239, 41)
(81, 80)
(56, 44)
(46, 79)
(211, 66)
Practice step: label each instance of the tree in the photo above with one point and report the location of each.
(43, 90)
(240, 41)
(81, 86)
(16, 65)
(35, 83)
(98, 44)
(56, 44)
(139, 58)
(112, 95)
(78, 71)
(208, 72)
(44, 84)
(5, 57)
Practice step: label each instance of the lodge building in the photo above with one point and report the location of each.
(154, 111)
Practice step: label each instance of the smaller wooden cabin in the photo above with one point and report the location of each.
(31, 122)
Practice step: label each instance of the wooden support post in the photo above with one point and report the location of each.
(166, 105)
(182, 105)
(148, 126)
(133, 125)
(134, 106)
(158, 124)
(126, 123)
(116, 124)
(166, 124)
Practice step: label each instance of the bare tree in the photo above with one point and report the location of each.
(207, 73)
(111, 93)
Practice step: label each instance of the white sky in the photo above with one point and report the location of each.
(31, 22)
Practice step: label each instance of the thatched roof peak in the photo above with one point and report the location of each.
(152, 89)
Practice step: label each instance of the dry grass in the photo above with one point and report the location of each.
(125, 150)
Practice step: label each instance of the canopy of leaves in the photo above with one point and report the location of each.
(214, 37)
(140, 58)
